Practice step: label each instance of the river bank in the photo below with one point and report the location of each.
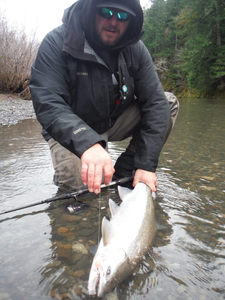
(186, 92)
(14, 109)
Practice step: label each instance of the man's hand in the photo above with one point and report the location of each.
(148, 178)
(94, 162)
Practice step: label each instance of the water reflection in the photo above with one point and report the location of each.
(47, 254)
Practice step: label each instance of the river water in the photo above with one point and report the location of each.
(46, 253)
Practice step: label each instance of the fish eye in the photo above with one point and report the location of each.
(108, 271)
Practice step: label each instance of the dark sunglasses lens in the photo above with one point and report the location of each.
(108, 13)
(123, 16)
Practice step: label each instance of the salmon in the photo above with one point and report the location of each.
(126, 238)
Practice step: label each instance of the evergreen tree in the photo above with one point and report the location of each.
(187, 42)
(201, 50)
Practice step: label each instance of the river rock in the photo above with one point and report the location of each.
(208, 188)
(85, 225)
(92, 242)
(208, 178)
(54, 264)
(4, 296)
(79, 273)
(62, 230)
(111, 296)
(70, 218)
(77, 256)
(79, 248)
(78, 290)
(65, 253)
(64, 246)
(87, 231)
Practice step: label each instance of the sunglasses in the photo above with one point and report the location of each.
(108, 14)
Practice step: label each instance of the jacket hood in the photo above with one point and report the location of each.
(79, 20)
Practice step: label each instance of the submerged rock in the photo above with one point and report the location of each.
(111, 296)
(79, 248)
(63, 230)
(4, 296)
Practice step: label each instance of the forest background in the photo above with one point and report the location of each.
(186, 39)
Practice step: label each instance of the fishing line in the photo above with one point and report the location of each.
(99, 215)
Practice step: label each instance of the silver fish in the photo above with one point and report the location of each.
(126, 238)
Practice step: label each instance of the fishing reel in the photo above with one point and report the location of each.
(79, 207)
(76, 207)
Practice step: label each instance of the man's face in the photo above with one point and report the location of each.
(110, 31)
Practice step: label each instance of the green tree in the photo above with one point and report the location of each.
(162, 39)
(203, 49)
(186, 40)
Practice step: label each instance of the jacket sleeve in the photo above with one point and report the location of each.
(155, 112)
(50, 90)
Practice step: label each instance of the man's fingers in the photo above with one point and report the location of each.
(91, 175)
(152, 187)
(97, 179)
(95, 160)
(135, 181)
(84, 173)
(108, 173)
(147, 177)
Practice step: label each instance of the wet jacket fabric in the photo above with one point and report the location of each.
(72, 87)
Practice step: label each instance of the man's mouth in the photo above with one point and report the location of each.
(111, 30)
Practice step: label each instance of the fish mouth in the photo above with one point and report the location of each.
(97, 283)
(99, 288)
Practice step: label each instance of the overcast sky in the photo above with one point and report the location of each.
(40, 16)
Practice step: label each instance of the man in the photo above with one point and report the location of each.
(93, 81)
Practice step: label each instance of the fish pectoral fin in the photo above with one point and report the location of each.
(123, 192)
(113, 207)
(108, 231)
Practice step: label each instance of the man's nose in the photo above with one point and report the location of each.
(113, 21)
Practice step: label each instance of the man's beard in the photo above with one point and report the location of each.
(108, 42)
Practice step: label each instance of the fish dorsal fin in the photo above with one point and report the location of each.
(107, 231)
(113, 207)
(123, 192)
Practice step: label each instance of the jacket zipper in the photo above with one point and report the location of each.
(123, 90)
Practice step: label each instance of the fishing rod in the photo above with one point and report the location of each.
(70, 195)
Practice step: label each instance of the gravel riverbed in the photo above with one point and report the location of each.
(14, 109)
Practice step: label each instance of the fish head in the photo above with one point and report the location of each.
(109, 267)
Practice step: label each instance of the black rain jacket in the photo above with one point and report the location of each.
(71, 86)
